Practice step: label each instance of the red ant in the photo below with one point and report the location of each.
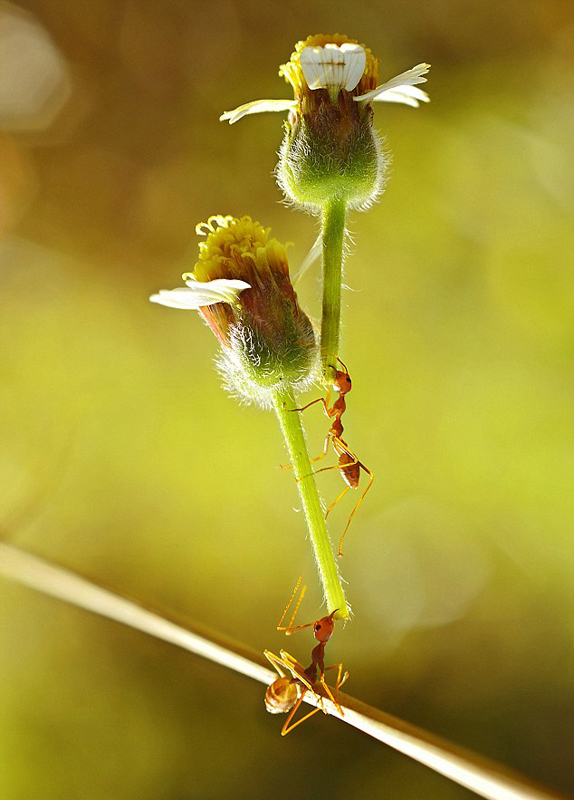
(349, 465)
(287, 692)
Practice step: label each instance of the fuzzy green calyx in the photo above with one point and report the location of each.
(266, 356)
(332, 151)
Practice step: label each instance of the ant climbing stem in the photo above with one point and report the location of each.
(287, 692)
(348, 463)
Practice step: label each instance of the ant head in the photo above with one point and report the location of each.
(323, 628)
(342, 382)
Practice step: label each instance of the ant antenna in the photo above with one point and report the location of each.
(342, 363)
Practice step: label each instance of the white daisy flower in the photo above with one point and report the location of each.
(337, 64)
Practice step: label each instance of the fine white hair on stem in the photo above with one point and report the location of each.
(484, 777)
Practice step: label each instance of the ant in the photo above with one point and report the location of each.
(287, 692)
(349, 464)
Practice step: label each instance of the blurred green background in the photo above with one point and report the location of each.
(121, 458)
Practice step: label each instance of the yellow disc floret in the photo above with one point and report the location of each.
(238, 249)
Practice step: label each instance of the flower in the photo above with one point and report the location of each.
(330, 148)
(241, 286)
(336, 63)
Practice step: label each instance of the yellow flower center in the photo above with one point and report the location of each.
(238, 249)
(293, 72)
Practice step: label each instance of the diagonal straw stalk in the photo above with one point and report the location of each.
(482, 776)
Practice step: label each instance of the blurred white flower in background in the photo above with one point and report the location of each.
(35, 81)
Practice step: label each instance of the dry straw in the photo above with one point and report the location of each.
(480, 775)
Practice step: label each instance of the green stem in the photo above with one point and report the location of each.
(334, 213)
(292, 428)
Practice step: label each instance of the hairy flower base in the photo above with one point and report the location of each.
(332, 153)
(254, 373)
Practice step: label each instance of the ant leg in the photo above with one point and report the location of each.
(334, 503)
(318, 458)
(312, 460)
(329, 693)
(330, 411)
(286, 665)
(277, 663)
(341, 678)
(288, 606)
(312, 403)
(324, 453)
(360, 500)
(327, 469)
(296, 669)
(338, 683)
(352, 456)
(294, 628)
(287, 728)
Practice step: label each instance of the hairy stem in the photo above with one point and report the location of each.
(334, 213)
(292, 428)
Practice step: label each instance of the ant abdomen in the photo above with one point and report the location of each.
(281, 696)
(350, 470)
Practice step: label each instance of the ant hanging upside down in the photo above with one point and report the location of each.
(287, 692)
(349, 465)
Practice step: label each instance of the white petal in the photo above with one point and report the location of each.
(175, 298)
(222, 290)
(198, 294)
(408, 78)
(409, 95)
(333, 66)
(256, 107)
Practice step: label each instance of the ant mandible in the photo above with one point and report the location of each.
(349, 465)
(288, 691)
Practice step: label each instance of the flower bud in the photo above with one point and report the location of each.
(241, 287)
